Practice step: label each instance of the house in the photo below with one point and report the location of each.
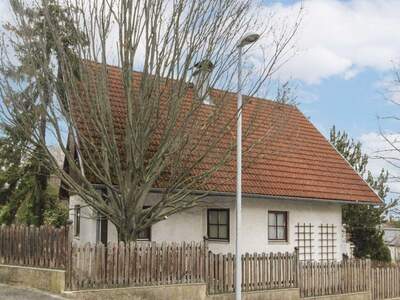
(293, 190)
(391, 236)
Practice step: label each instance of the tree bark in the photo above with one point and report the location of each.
(42, 175)
(126, 235)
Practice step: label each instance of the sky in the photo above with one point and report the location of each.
(342, 71)
(342, 66)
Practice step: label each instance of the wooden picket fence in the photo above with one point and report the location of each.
(259, 272)
(43, 246)
(385, 282)
(135, 264)
(332, 278)
(94, 266)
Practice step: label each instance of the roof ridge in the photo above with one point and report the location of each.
(252, 98)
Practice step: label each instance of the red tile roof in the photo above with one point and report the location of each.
(291, 159)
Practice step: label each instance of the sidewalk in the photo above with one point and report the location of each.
(8, 292)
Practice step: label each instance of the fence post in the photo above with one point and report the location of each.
(68, 254)
(368, 272)
(297, 266)
(206, 264)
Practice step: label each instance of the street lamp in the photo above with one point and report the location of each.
(246, 40)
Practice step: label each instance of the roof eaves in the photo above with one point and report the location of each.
(274, 197)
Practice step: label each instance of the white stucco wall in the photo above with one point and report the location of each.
(191, 225)
(88, 221)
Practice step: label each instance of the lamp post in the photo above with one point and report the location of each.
(246, 40)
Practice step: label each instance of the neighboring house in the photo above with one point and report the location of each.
(58, 154)
(391, 236)
(292, 193)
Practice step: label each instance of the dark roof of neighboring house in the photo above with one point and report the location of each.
(295, 161)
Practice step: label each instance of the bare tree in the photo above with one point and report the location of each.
(135, 132)
(389, 151)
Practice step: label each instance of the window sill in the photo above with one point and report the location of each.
(278, 242)
(218, 241)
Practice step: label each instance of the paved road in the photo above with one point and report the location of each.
(18, 293)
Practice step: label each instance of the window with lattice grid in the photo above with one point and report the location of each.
(327, 240)
(278, 225)
(218, 224)
(304, 233)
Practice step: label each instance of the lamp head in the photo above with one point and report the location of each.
(248, 38)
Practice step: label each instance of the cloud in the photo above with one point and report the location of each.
(349, 74)
(343, 38)
(376, 147)
(336, 38)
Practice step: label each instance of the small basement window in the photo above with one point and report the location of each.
(144, 235)
(218, 224)
(277, 225)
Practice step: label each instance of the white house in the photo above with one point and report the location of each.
(292, 193)
(391, 236)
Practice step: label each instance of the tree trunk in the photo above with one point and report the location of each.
(42, 175)
(126, 233)
(41, 183)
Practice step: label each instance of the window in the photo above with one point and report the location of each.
(77, 219)
(277, 225)
(101, 229)
(218, 224)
